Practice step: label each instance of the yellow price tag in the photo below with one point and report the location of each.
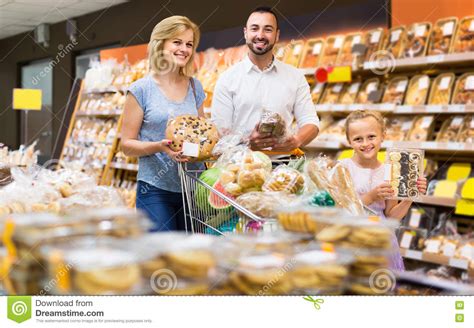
(346, 153)
(467, 191)
(340, 74)
(459, 171)
(446, 188)
(327, 247)
(61, 271)
(7, 238)
(381, 156)
(27, 99)
(464, 207)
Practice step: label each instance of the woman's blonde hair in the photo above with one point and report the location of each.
(361, 114)
(167, 29)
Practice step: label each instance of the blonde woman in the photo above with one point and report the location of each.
(169, 90)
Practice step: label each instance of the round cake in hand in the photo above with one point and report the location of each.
(195, 130)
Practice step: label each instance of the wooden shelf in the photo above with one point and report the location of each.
(124, 166)
(116, 112)
(104, 90)
(401, 110)
(437, 201)
(432, 258)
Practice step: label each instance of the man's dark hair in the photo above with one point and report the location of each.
(265, 9)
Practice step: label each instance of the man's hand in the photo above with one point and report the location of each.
(289, 144)
(259, 141)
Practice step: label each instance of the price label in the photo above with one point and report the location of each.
(448, 28)
(434, 108)
(371, 87)
(375, 37)
(318, 87)
(444, 83)
(354, 88)
(415, 219)
(337, 88)
(420, 30)
(469, 83)
(190, 149)
(471, 27)
(317, 48)
(404, 109)
(435, 59)
(395, 36)
(456, 108)
(355, 40)
(387, 176)
(406, 125)
(297, 49)
(449, 249)
(338, 42)
(432, 246)
(406, 240)
(458, 263)
(414, 254)
(467, 252)
(423, 83)
(426, 121)
(401, 86)
(472, 123)
(456, 122)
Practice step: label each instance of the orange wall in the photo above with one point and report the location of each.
(133, 53)
(406, 12)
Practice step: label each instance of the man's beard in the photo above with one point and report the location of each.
(258, 52)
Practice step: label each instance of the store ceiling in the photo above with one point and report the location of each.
(18, 16)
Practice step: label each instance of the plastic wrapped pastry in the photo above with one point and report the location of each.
(312, 53)
(368, 87)
(417, 90)
(406, 166)
(441, 89)
(464, 90)
(421, 129)
(464, 41)
(347, 57)
(331, 50)
(373, 40)
(417, 39)
(397, 128)
(332, 94)
(450, 130)
(394, 41)
(295, 53)
(442, 36)
(395, 91)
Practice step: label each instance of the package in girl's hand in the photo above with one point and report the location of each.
(403, 168)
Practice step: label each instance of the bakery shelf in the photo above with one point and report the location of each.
(437, 201)
(390, 108)
(317, 144)
(124, 166)
(432, 146)
(116, 112)
(462, 264)
(450, 287)
(104, 90)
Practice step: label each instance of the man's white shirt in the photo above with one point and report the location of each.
(244, 91)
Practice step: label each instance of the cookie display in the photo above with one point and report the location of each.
(369, 86)
(373, 40)
(349, 93)
(397, 128)
(450, 129)
(394, 41)
(467, 131)
(441, 90)
(264, 204)
(195, 130)
(331, 50)
(395, 91)
(464, 90)
(421, 128)
(334, 131)
(417, 90)
(295, 53)
(332, 94)
(464, 40)
(312, 53)
(406, 166)
(416, 40)
(346, 56)
(299, 219)
(442, 36)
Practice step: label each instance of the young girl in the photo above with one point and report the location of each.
(365, 131)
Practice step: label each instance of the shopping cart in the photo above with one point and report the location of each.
(201, 217)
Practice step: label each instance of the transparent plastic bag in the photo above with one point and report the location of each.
(265, 204)
(333, 177)
(285, 179)
(272, 124)
(405, 167)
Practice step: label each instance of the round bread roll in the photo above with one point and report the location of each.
(103, 281)
(193, 129)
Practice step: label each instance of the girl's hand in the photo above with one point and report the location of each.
(421, 183)
(382, 192)
(177, 156)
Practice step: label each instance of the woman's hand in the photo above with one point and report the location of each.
(381, 192)
(421, 183)
(177, 156)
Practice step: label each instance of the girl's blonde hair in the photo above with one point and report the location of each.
(361, 114)
(167, 29)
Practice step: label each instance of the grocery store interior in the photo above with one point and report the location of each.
(255, 221)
